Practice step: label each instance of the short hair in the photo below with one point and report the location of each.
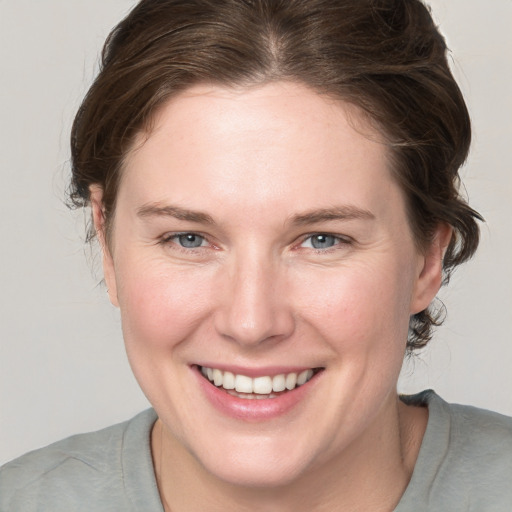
(387, 57)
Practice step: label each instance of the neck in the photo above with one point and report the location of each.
(370, 475)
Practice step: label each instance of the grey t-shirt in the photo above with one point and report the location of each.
(464, 464)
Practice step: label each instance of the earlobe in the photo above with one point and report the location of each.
(98, 217)
(430, 271)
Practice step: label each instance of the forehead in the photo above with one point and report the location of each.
(270, 145)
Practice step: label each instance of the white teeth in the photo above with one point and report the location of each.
(259, 387)
(217, 377)
(304, 377)
(291, 381)
(243, 384)
(279, 383)
(262, 385)
(251, 396)
(229, 381)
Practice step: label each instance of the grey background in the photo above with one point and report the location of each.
(62, 363)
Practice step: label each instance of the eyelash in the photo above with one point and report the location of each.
(167, 239)
(338, 241)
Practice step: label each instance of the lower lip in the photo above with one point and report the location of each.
(254, 410)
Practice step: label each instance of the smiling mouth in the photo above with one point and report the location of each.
(262, 387)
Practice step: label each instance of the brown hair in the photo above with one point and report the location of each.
(385, 56)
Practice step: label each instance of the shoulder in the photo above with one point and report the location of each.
(474, 432)
(465, 460)
(464, 421)
(481, 428)
(66, 472)
(481, 454)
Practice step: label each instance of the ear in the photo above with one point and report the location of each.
(430, 269)
(98, 217)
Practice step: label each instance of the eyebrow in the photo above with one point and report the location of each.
(346, 212)
(159, 210)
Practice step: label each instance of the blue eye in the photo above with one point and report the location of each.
(321, 241)
(190, 240)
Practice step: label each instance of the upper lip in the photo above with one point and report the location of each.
(261, 371)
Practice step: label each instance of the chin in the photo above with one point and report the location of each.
(257, 473)
(265, 463)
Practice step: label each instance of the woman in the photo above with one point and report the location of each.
(274, 187)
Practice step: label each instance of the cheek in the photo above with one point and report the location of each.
(161, 307)
(362, 308)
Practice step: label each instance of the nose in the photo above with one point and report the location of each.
(255, 305)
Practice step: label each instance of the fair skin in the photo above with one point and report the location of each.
(260, 232)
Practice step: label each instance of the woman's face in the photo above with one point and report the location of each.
(258, 234)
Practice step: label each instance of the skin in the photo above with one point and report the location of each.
(256, 293)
